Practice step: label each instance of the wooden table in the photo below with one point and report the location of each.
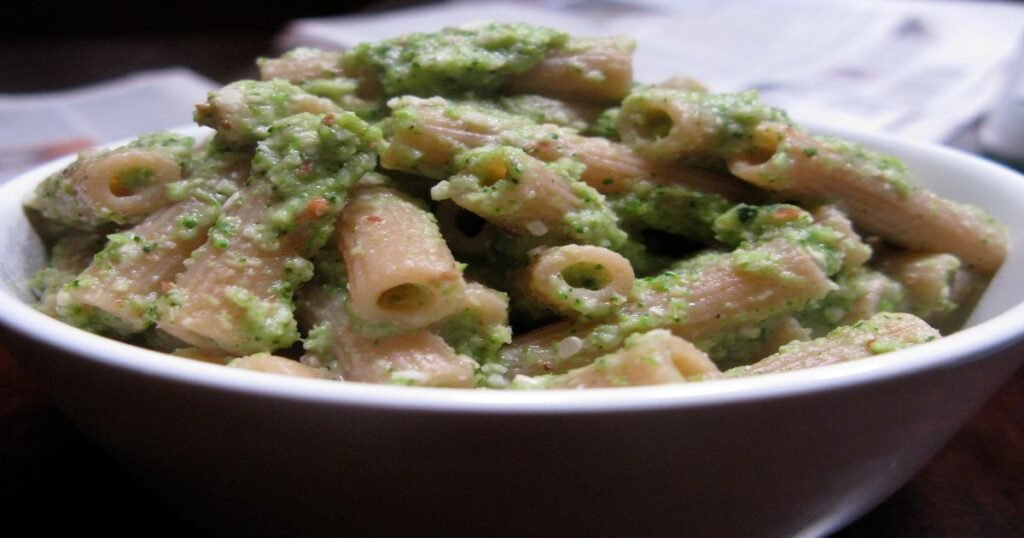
(51, 475)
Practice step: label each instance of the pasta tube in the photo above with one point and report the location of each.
(486, 57)
(302, 64)
(653, 358)
(337, 342)
(243, 111)
(236, 294)
(597, 69)
(118, 291)
(401, 274)
(479, 328)
(701, 300)
(876, 191)
(927, 278)
(273, 364)
(883, 333)
(119, 186)
(855, 252)
(426, 135)
(580, 281)
(668, 124)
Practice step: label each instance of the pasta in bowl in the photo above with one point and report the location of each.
(518, 242)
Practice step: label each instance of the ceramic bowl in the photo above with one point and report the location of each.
(800, 453)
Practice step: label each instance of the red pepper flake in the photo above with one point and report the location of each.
(317, 207)
(546, 366)
(305, 168)
(328, 120)
(374, 219)
(788, 213)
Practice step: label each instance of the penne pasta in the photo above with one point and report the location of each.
(545, 222)
(426, 135)
(273, 364)
(401, 274)
(236, 293)
(337, 342)
(302, 64)
(598, 70)
(928, 280)
(875, 191)
(653, 358)
(668, 124)
(580, 281)
(883, 333)
(118, 291)
(855, 251)
(701, 300)
(118, 186)
(242, 112)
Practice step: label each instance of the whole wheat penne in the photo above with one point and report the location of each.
(426, 135)
(118, 291)
(597, 70)
(243, 111)
(653, 358)
(236, 293)
(751, 342)
(862, 292)
(273, 364)
(580, 281)
(884, 332)
(336, 341)
(701, 300)
(302, 64)
(69, 256)
(488, 57)
(876, 191)
(400, 271)
(927, 278)
(578, 115)
(119, 186)
(479, 327)
(855, 251)
(669, 124)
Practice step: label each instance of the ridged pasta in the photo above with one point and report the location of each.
(401, 273)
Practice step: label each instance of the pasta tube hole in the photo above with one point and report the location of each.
(652, 124)
(405, 298)
(587, 275)
(128, 182)
(469, 224)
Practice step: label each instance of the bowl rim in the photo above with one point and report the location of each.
(987, 337)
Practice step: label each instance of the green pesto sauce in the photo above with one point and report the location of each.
(266, 323)
(605, 125)
(243, 111)
(745, 224)
(478, 58)
(308, 159)
(831, 311)
(342, 92)
(674, 209)
(469, 335)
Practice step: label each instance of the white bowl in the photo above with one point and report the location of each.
(796, 453)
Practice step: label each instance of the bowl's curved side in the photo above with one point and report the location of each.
(793, 453)
(242, 462)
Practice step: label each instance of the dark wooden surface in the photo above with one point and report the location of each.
(51, 475)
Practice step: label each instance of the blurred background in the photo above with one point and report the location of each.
(58, 45)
